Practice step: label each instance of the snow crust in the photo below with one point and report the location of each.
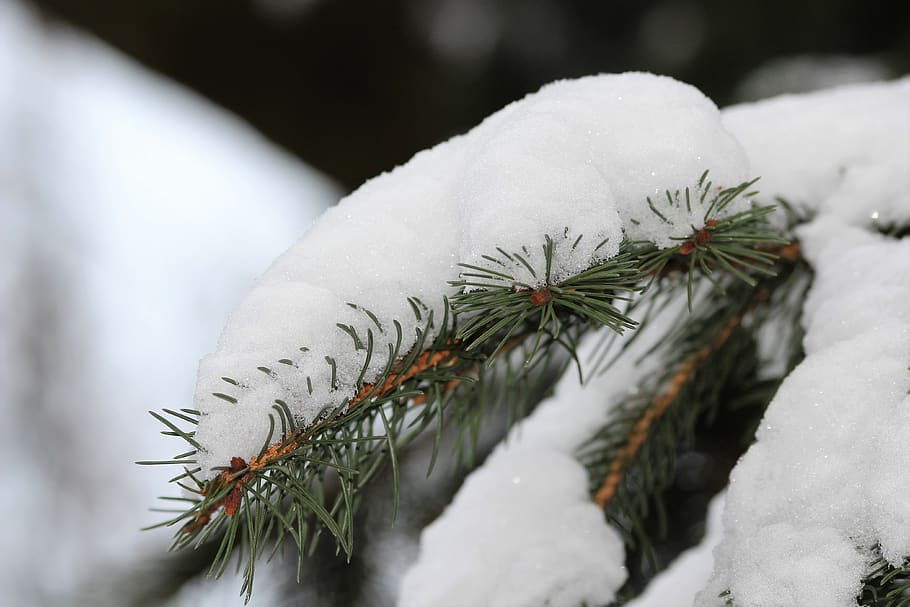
(577, 159)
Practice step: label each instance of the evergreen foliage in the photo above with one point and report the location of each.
(886, 585)
(499, 335)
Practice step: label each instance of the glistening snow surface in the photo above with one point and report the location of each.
(826, 481)
(578, 158)
(843, 152)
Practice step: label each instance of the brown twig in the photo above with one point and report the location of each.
(474, 371)
(790, 253)
(637, 435)
(231, 500)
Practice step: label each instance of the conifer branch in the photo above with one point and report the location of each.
(285, 491)
(632, 459)
(241, 472)
(685, 371)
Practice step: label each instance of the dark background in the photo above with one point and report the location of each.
(356, 87)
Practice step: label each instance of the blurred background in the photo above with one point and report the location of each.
(356, 87)
(156, 155)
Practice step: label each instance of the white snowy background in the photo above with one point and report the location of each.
(133, 217)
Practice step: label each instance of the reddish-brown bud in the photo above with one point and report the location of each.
(540, 297)
(702, 237)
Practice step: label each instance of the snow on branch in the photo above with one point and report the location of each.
(819, 500)
(575, 162)
(817, 496)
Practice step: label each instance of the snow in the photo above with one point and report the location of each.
(383, 258)
(842, 152)
(526, 533)
(577, 159)
(133, 217)
(580, 158)
(818, 491)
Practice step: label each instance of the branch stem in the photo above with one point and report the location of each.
(659, 405)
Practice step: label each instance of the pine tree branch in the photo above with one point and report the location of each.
(886, 585)
(632, 460)
(650, 414)
(492, 316)
(684, 373)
